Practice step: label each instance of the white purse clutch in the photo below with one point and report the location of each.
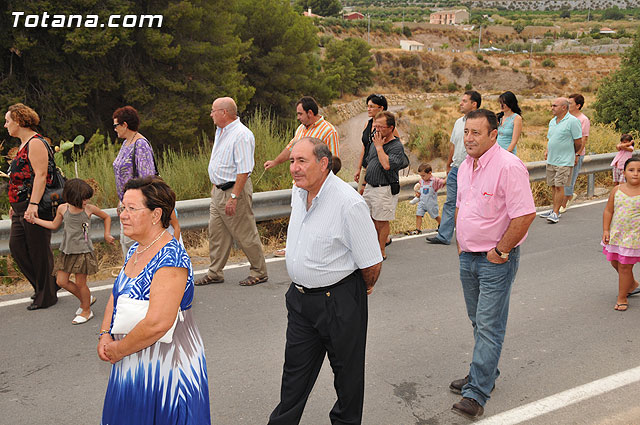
(130, 311)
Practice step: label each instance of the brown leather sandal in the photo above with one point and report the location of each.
(252, 280)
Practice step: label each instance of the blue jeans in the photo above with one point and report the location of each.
(568, 190)
(448, 221)
(487, 288)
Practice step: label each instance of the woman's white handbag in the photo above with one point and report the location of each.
(130, 311)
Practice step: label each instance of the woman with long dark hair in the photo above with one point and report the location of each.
(509, 122)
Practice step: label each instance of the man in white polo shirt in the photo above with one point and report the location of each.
(334, 260)
(565, 143)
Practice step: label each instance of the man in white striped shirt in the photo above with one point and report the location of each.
(334, 261)
(230, 213)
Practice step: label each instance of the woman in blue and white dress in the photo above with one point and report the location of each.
(154, 382)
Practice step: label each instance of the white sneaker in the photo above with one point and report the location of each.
(563, 209)
(415, 200)
(553, 218)
(546, 214)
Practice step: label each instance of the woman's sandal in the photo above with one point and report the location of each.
(79, 310)
(621, 307)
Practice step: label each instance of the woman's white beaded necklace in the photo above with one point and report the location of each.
(138, 252)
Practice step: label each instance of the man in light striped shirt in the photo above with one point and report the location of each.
(311, 125)
(334, 261)
(230, 214)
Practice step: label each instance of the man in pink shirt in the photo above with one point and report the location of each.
(494, 210)
(576, 102)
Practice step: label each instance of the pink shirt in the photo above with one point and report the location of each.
(586, 125)
(489, 197)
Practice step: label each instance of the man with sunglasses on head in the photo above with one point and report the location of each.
(230, 213)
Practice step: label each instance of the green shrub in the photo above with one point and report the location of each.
(480, 57)
(504, 62)
(548, 63)
(525, 64)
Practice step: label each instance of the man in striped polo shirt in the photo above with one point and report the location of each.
(311, 125)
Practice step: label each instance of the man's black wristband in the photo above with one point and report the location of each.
(33, 203)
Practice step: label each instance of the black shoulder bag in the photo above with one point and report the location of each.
(52, 196)
(133, 160)
(395, 186)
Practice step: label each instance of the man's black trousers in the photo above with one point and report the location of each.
(332, 322)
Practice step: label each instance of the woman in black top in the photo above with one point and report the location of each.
(30, 172)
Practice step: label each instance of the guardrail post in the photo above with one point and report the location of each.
(591, 185)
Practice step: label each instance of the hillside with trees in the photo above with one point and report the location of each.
(264, 54)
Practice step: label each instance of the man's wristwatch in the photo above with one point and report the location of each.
(234, 196)
(500, 254)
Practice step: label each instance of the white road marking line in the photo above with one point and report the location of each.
(564, 399)
(268, 260)
(586, 204)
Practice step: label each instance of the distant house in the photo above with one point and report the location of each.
(605, 30)
(353, 15)
(310, 15)
(449, 17)
(411, 45)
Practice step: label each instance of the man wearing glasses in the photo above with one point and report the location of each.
(385, 158)
(230, 214)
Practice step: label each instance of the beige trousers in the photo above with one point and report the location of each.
(241, 227)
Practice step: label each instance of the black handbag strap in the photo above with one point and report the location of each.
(51, 163)
(133, 160)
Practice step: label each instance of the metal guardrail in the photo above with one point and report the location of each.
(194, 213)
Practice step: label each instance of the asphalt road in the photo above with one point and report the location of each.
(562, 333)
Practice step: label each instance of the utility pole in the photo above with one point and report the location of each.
(589, 11)
(368, 27)
(480, 39)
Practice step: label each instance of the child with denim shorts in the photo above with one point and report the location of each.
(426, 196)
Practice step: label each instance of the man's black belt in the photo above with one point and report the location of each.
(304, 290)
(378, 185)
(225, 186)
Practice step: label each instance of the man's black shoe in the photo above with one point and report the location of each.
(468, 407)
(435, 240)
(456, 386)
